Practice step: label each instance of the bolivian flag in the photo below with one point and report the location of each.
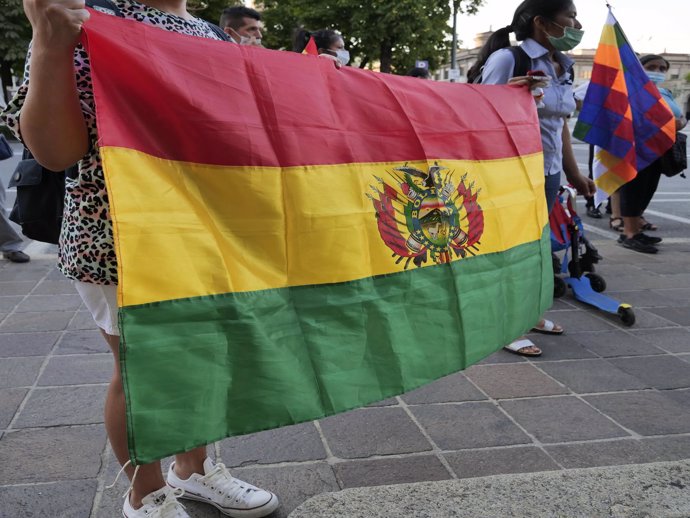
(295, 240)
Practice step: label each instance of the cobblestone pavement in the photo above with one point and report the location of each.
(602, 394)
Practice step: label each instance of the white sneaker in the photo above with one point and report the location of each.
(229, 495)
(159, 504)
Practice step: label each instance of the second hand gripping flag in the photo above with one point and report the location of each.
(295, 240)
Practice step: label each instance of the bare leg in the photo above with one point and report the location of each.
(631, 226)
(616, 205)
(149, 477)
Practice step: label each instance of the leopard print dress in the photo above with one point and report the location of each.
(86, 251)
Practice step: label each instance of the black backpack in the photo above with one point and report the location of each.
(39, 204)
(523, 63)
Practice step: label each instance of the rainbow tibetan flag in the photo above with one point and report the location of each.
(295, 240)
(622, 114)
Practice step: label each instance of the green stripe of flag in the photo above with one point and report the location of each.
(201, 369)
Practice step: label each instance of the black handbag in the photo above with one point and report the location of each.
(675, 160)
(5, 149)
(40, 199)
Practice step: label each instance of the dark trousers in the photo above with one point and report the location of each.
(636, 194)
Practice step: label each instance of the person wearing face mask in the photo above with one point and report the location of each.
(330, 44)
(636, 194)
(242, 25)
(546, 28)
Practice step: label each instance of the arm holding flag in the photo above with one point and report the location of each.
(59, 140)
(584, 185)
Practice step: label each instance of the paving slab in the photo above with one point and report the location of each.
(78, 370)
(19, 372)
(617, 343)
(372, 431)
(469, 425)
(27, 344)
(512, 381)
(678, 315)
(580, 321)
(10, 399)
(63, 406)
(36, 321)
(51, 454)
(7, 304)
(82, 342)
(652, 490)
(450, 389)
(643, 298)
(561, 419)
(645, 412)
(675, 340)
(604, 453)
(400, 470)
(682, 396)
(297, 443)
(495, 461)
(661, 372)
(671, 447)
(588, 376)
(21, 288)
(558, 347)
(69, 499)
(645, 319)
(55, 287)
(49, 303)
(502, 356)
(82, 320)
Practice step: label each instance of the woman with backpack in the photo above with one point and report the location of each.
(54, 109)
(546, 29)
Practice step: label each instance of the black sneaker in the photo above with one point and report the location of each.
(636, 244)
(594, 212)
(649, 240)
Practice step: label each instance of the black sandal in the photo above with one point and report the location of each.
(616, 224)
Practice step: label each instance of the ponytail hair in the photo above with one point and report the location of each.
(323, 38)
(523, 27)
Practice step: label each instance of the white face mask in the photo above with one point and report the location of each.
(343, 56)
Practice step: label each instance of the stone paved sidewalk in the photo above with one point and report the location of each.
(600, 395)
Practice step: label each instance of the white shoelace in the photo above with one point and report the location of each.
(171, 507)
(220, 480)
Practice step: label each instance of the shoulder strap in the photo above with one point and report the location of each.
(218, 31)
(104, 6)
(522, 61)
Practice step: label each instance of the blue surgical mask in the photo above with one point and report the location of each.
(656, 77)
(571, 38)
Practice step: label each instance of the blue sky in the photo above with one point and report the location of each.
(648, 31)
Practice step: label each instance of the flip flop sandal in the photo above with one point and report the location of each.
(616, 224)
(518, 347)
(649, 226)
(549, 328)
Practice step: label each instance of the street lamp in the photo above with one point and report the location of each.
(453, 51)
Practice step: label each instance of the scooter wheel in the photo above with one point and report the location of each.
(626, 315)
(559, 287)
(597, 281)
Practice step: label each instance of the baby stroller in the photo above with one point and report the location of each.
(578, 272)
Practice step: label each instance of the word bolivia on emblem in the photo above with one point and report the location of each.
(424, 215)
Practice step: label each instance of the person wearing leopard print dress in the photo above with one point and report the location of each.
(53, 113)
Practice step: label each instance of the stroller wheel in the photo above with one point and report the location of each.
(559, 287)
(626, 315)
(597, 281)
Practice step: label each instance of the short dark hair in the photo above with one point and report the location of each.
(419, 72)
(323, 38)
(651, 57)
(233, 16)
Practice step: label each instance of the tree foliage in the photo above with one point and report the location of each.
(16, 34)
(392, 33)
